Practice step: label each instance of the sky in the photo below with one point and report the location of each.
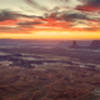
(50, 19)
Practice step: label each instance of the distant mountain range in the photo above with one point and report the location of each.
(61, 43)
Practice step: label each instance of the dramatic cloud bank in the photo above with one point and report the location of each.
(57, 15)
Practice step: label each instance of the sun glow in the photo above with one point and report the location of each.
(56, 35)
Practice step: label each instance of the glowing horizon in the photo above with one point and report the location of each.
(50, 19)
(53, 36)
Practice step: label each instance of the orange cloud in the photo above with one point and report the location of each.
(9, 22)
(88, 8)
(61, 26)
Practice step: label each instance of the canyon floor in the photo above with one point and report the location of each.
(49, 73)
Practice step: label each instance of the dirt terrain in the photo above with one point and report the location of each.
(49, 74)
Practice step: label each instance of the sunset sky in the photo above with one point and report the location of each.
(50, 19)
